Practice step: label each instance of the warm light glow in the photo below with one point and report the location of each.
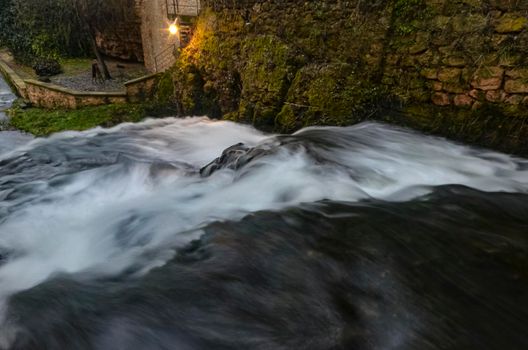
(173, 29)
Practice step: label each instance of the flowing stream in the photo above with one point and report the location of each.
(364, 237)
(8, 139)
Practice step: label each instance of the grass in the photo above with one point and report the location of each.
(42, 122)
(75, 66)
(70, 66)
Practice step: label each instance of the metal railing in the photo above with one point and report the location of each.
(182, 8)
(165, 58)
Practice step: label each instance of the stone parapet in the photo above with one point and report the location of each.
(52, 96)
(142, 89)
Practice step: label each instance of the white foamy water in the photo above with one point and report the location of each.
(105, 202)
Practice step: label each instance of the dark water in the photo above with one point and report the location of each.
(366, 237)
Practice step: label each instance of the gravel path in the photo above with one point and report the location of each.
(82, 81)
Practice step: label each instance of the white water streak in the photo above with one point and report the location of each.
(112, 218)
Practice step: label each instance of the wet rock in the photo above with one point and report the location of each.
(454, 61)
(464, 23)
(421, 44)
(516, 87)
(231, 158)
(494, 96)
(455, 88)
(518, 73)
(440, 22)
(476, 94)
(449, 74)
(441, 99)
(477, 105)
(463, 101)
(511, 23)
(514, 99)
(438, 86)
(429, 73)
(488, 78)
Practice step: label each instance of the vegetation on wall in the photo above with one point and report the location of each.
(45, 29)
(307, 71)
(285, 65)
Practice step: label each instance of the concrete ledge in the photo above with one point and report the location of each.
(49, 95)
(143, 88)
(62, 89)
(14, 79)
(54, 96)
(142, 79)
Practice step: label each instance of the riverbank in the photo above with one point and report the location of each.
(43, 122)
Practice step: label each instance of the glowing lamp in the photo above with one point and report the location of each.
(173, 29)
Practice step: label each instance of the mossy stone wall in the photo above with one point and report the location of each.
(287, 64)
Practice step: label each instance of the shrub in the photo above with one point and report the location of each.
(47, 67)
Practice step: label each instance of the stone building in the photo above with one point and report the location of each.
(159, 45)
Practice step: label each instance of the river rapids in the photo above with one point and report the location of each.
(150, 236)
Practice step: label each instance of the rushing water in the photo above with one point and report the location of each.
(365, 237)
(8, 139)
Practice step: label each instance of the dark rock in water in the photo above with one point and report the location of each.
(239, 155)
(232, 158)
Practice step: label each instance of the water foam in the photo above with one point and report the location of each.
(135, 194)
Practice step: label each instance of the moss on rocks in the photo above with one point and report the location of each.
(494, 126)
(266, 75)
(286, 65)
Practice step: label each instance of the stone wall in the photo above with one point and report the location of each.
(52, 96)
(188, 7)
(155, 35)
(456, 67)
(469, 53)
(160, 48)
(142, 89)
